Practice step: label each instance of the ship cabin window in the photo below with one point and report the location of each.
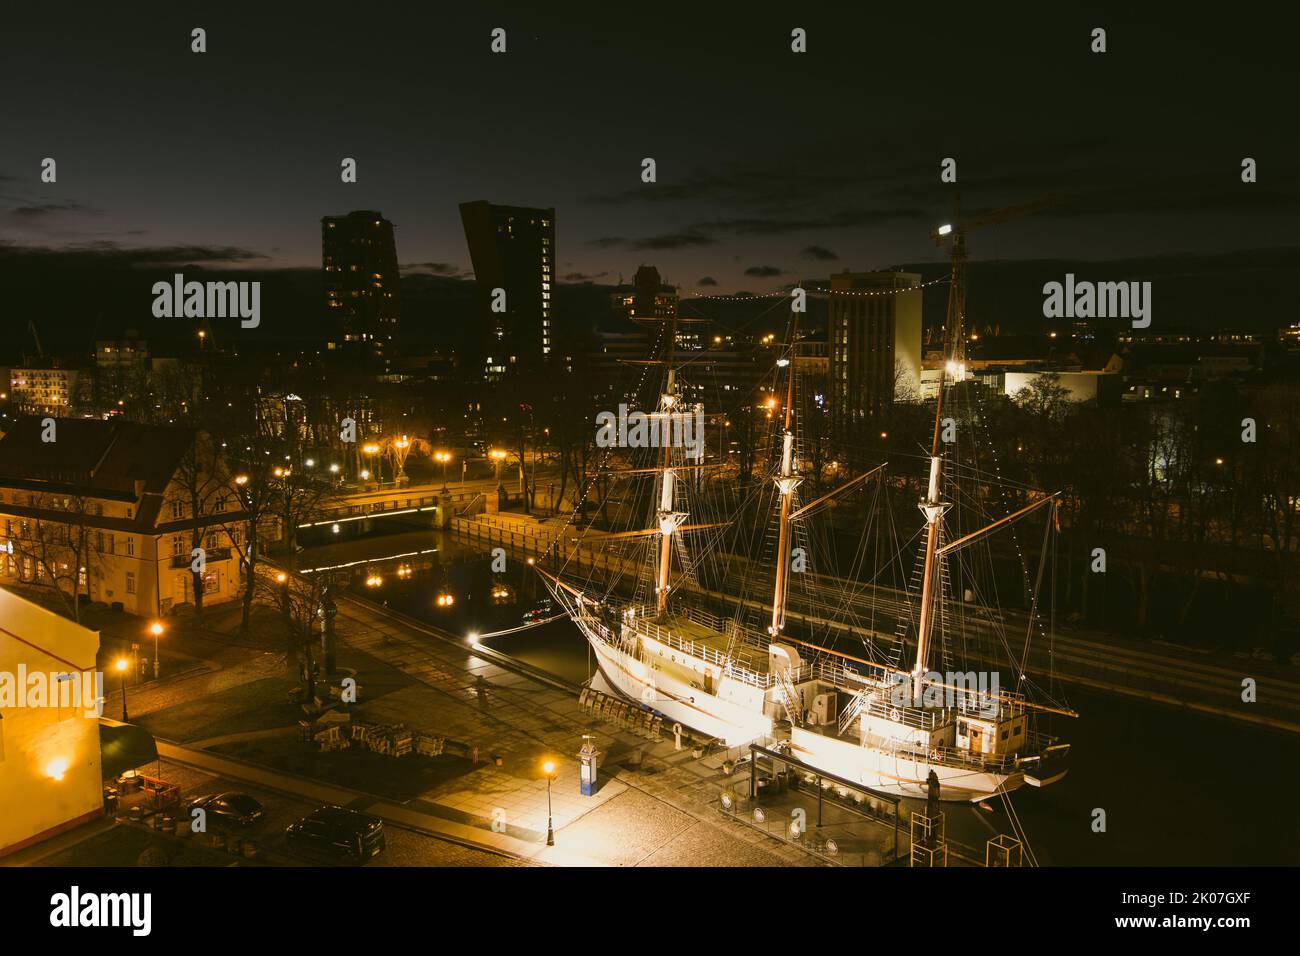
(1019, 730)
(1005, 733)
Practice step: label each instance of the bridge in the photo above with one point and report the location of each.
(431, 505)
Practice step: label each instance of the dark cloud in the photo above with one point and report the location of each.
(707, 280)
(820, 253)
(764, 272)
(583, 277)
(136, 257)
(433, 268)
(41, 210)
(685, 239)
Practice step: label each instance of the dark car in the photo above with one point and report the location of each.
(337, 832)
(230, 808)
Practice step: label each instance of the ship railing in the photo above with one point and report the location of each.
(914, 717)
(910, 750)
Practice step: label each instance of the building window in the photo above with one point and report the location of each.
(130, 582)
(130, 546)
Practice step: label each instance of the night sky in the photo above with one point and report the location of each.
(772, 166)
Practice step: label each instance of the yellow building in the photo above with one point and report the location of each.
(105, 511)
(50, 778)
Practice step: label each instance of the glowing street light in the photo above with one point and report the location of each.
(443, 457)
(156, 629)
(548, 768)
(120, 665)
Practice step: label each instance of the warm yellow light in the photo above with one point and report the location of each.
(371, 449)
(374, 581)
(365, 474)
(549, 767)
(281, 578)
(56, 768)
(120, 663)
(156, 628)
(241, 480)
(497, 453)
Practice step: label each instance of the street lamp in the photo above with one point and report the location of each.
(156, 629)
(443, 457)
(121, 669)
(548, 768)
(497, 455)
(371, 449)
(282, 579)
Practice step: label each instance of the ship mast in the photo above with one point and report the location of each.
(668, 519)
(786, 482)
(933, 506)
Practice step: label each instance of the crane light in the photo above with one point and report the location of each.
(945, 229)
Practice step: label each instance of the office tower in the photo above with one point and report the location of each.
(362, 291)
(512, 249)
(875, 344)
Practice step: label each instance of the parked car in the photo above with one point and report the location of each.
(230, 808)
(337, 832)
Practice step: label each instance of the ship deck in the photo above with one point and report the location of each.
(744, 653)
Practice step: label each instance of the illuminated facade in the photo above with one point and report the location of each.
(875, 343)
(50, 778)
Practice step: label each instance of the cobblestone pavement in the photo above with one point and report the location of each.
(660, 814)
(655, 806)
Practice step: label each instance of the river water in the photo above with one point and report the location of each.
(1175, 787)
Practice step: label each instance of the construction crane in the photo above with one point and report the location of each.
(954, 233)
(31, 327)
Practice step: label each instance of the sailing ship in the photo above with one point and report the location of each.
(867, 717)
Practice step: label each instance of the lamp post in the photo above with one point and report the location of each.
(156, 629)
(121, 669)
(498, 456)
(282, 579)
(443, 457)
(371, 450)
(549, 769)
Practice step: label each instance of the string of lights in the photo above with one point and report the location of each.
(822, 292)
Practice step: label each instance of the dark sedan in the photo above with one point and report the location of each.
(337, 832)
(231, 809)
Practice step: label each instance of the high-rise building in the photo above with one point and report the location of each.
(875, 343)
(512, 249)
(362, 284)
(648, 299)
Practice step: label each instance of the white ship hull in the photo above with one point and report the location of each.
(896, 773)
(734, 723)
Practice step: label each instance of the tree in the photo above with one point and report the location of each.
(58, 548)
(298, 598)
(203, 491)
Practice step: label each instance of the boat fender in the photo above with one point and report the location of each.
(893, 714)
